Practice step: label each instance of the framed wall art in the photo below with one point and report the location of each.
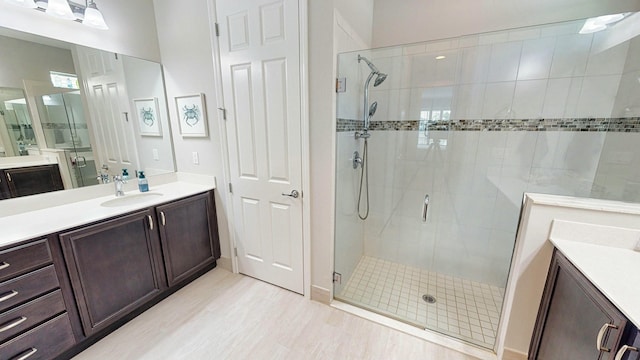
(148, 117)
(192, 115)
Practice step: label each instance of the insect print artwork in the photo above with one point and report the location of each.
(191, 114)
(148, 118)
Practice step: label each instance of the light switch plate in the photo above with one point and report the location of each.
(156, 157)
(196, 159)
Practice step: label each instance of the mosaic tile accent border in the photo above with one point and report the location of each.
(581, 124)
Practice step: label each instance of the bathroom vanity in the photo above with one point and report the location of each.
(29, 180)
(587, 312)
(62, 290)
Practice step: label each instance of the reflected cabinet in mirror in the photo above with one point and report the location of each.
(86, 113)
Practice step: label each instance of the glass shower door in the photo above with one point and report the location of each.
(65, 128)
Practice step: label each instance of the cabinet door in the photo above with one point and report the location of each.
(33, 180)
(114, 268)
(189, 236)
(572, 315)
(4, 187)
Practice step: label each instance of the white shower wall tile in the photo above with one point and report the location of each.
(608, 55)
(598, 96)
(535, 61)
(555, 97)
(573, 97)
(571, 55)
(498, 99)
(627, 101)
(528, 99)
(469, 101)
(474, 66)
(505, 59)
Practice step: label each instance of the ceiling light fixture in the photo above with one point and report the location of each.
(440, 57)
(600, 23)
(87, 13)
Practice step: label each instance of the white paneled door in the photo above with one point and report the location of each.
(112, 122)
(260, 64)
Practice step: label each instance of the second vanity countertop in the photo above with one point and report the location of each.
(610, 263)
(42, 222)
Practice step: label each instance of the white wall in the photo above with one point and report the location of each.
(132, 27)
(323, 45)
(420, 20)
(187, 59)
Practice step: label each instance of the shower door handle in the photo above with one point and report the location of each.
(294, 194)
(425, 208)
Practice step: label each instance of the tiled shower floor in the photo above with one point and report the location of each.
(463, 309)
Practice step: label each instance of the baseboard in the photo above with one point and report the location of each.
(510, 354)
(320, 294)
(225, 263)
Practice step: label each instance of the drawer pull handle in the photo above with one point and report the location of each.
(163, 218)
(623, 350)
(8, 295)
(150, 222)
(13, 323)
(601, 333)
(25, 354)
(4, 265)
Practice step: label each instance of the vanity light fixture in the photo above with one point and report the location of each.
(87, 13)
(93, 17)
(600, 23)
(23, 3)
(60, 9)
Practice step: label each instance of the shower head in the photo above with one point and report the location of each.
(373, 108)
(380, 79)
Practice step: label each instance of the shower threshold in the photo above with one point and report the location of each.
(463, 309)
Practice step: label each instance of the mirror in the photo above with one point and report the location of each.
(93, 112)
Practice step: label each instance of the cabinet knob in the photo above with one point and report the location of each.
(603, 330)
(623, 350)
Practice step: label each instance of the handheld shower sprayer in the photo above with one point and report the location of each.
(367, 113)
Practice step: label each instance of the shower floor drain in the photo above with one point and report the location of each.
(428, 298)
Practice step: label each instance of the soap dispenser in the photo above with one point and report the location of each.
(125, 175)
(143, 184)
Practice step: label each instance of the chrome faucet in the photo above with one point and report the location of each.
(119, 183)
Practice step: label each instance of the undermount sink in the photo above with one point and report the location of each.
(131, 199)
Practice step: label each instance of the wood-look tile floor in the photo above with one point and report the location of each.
(229, 316)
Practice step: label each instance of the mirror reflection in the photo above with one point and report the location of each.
(73, 110)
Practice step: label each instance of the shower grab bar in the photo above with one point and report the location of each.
(425, 208)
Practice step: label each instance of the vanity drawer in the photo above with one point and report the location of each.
(44, 342)
(30, 314)
(22, 259)
(26, 287)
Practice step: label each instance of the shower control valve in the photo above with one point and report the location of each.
(357, 160)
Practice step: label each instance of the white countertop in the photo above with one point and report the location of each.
(42, 222)
(614, 270)
(24, 164)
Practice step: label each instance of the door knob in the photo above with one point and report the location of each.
(294, 194)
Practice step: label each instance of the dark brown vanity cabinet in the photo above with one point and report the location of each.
(34, 322)
(119, 265)
(576, 321)
(188, 232)
(114, 267)
(30, 180)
